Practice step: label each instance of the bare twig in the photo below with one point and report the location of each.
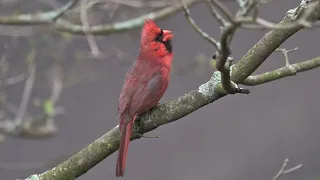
(247, 7)
(215, 13)
(197, 28)
(282, 72)
(25, 96)
(223, 10)
(285, 54)
(284, 171)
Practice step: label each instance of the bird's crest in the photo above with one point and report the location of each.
(150, 27)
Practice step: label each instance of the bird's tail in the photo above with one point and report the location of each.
(124, 145)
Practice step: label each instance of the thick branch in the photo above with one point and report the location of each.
(269, 43)
(162, 114)
(290, 70)
(109, 143)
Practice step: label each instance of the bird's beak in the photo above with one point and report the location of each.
(167, 35)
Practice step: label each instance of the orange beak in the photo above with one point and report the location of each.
(167, 35)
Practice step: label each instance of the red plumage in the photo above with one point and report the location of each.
(145, 83)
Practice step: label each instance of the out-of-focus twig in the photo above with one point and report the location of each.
(17, 125)
(85, 22)
(15, 79)
(140, 3)
(215, 13)
(223, 10)
(60, 24)
(65, 9)
(284, 171)
(26, 95)
(37, 18)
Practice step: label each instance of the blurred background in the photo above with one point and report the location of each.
(238, 137)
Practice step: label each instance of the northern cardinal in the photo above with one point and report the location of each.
(145, 83)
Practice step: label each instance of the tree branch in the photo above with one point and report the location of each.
(282, 72)
(162, 114)
(270, 42)
(223, 51)
(284, 171)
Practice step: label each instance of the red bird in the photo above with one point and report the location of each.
(145, 83)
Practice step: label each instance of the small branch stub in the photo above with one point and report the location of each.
(242, 90)
(233, 89)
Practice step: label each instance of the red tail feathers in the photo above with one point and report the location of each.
(123, 150)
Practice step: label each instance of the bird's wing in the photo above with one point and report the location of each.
(151, 92)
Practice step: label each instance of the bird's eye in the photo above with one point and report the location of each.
(159, 36)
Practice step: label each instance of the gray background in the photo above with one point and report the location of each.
(238, 137)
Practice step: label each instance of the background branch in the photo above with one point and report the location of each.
(38, 18)
(85, 22)
(54, 18)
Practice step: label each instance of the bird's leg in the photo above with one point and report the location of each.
(149, 118)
